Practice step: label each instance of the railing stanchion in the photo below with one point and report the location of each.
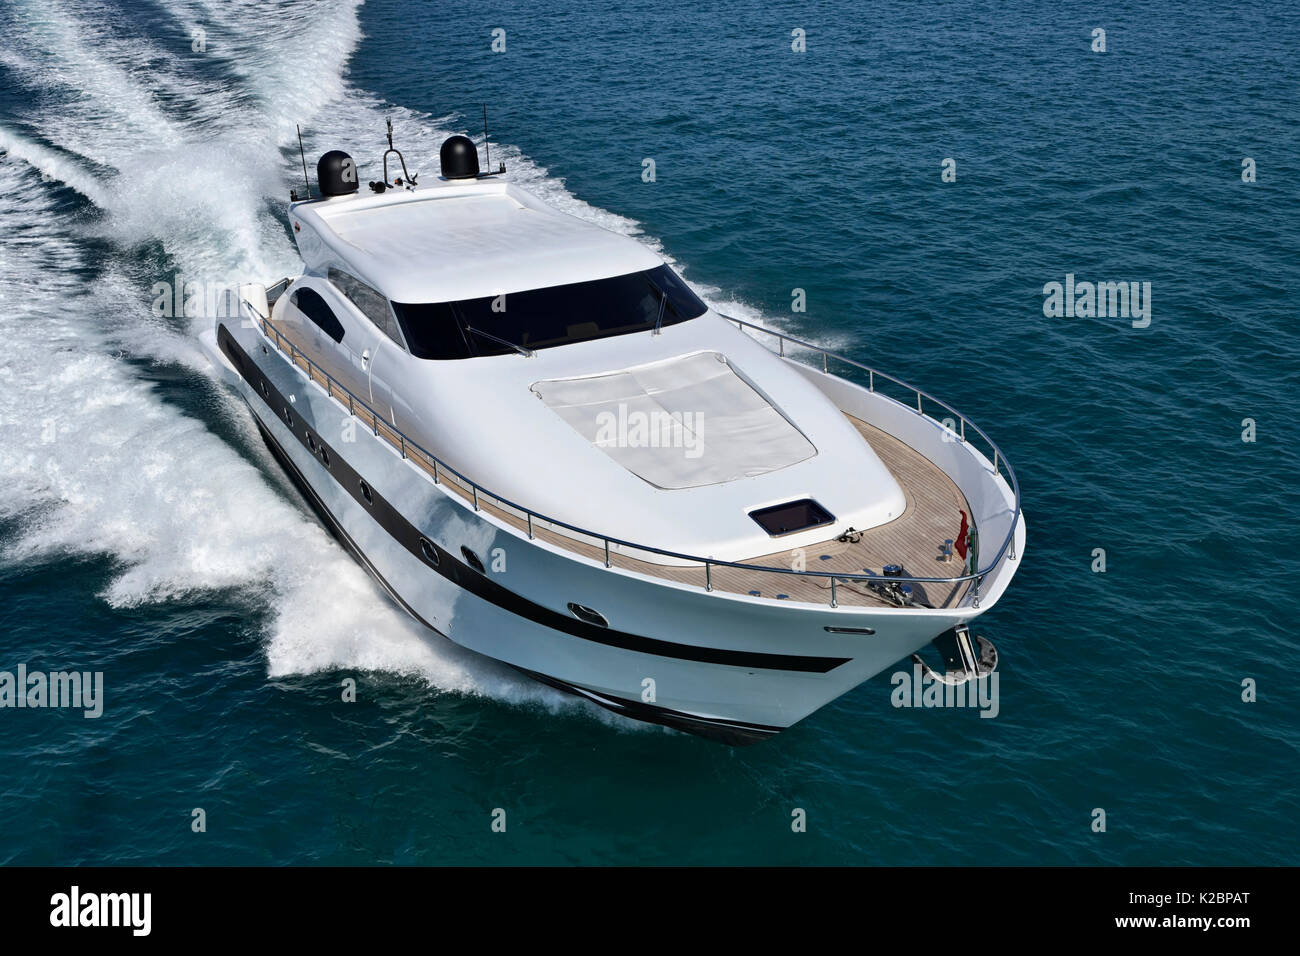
(708, 577)
(918, 403)
(834, 603)
(403, 437)
(475, 487)
(435, 471)
(530, 526)
(607, 552)
(871, 380)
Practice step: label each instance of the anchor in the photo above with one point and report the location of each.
(961, 663)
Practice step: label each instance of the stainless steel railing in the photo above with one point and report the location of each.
(960, 421)
(441, 471)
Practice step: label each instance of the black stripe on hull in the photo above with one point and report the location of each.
(335, 528)
(734, 733)
(465, 577)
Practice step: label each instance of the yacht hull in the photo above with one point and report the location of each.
(726, 666)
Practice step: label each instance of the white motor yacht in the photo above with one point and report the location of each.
(546, 448)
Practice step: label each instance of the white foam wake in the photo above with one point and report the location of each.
(94, 462)
(180, 165)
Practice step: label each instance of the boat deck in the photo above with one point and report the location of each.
(915, 539)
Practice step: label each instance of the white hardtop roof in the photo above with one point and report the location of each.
(459, 240)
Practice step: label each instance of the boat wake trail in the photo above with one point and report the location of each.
(130, 159)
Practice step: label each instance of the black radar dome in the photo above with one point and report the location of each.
(459, 158)
(336, 174)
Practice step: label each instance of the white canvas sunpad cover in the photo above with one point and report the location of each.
(682, 423)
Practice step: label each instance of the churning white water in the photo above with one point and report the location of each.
(137, 154)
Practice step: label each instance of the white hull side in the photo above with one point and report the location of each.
(754, 694)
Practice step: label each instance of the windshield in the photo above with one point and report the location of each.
(545, 318)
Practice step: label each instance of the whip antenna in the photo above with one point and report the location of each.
(303, 154)
(487, 153)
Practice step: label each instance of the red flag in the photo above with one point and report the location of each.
(963, 538)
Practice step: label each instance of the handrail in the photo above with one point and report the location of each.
(998, 457)
(334, 389)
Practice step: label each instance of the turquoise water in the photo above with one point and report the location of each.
(146, 534)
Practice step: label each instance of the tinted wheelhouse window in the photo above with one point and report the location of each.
(371, 302)
(313, 306)
(545, 318)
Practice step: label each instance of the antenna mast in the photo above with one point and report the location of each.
(409, 181)
(303, 154)
(487, 152)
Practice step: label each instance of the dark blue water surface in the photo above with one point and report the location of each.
(145, 534)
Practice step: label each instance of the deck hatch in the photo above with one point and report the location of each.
(684, 422)
(791, 516)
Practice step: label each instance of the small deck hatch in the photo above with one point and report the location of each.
(792, 516)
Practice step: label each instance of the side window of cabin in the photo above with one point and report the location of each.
(313, 306)
(371, 303)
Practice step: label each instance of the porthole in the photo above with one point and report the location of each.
(366, 493)
(472, 560)
(429, 551)
(288, 416)
(588, 614)
(266, 392)
(311, 443)
(324, 456)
